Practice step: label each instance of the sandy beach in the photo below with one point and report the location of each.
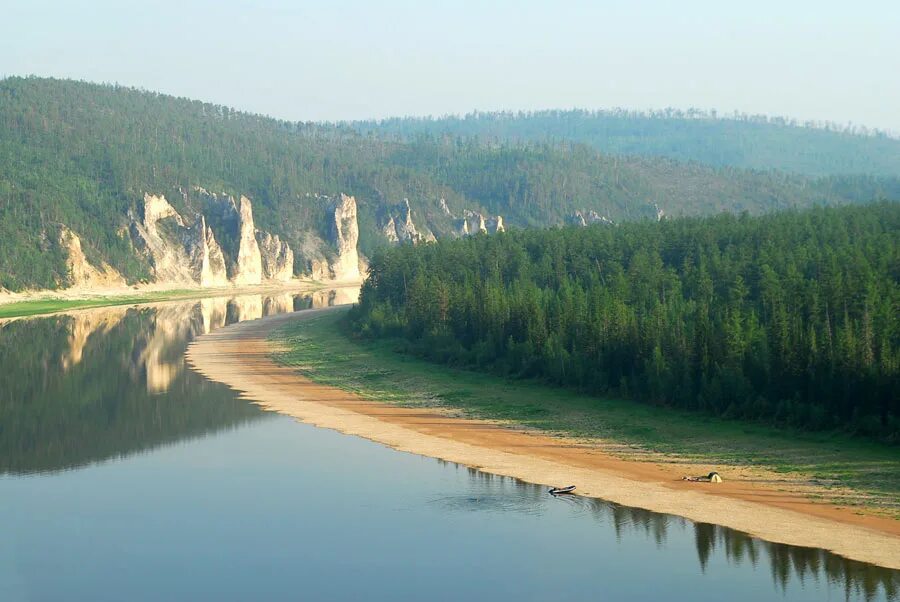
(240, 356)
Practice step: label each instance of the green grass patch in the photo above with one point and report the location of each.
(321, 349)
(49, 306)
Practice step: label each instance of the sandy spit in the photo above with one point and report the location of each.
(240, 356)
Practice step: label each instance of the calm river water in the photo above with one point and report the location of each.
(126, 476)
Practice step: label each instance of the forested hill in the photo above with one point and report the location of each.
(750, 142)
(788, 318)
(82, 155)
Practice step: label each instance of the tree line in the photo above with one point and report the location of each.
(788, 318)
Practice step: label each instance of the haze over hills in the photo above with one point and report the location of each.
(745, 141)
(104, 184)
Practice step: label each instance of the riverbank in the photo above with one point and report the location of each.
(35, 303)
(240, 356)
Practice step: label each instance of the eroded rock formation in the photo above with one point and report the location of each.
(586, 218)
(400, 228)
(248, 266)
(162, 237)
(81, 272)
(208, 261)
(277, 258)
(187, 249)
(346, 236)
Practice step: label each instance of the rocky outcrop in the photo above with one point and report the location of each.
(319, 269)
(248, 266)
(390, 231)
(660, 213)
(208, 260)
(162, 237)
(345, 232)
(277, 258)
(474, 222)
(586, 218)
(400, 228)
(81, 272)
(188, 251)
(406, 229)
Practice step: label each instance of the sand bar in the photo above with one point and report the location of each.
(240, 356)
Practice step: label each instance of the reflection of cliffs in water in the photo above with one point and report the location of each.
(103, 383)
(790, 566)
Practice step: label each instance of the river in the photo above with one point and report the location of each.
(126, 476)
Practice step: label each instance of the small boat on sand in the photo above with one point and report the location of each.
(561, 490)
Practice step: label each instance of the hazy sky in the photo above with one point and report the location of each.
(825, 60)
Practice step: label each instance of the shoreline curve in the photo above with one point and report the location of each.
(239, 356)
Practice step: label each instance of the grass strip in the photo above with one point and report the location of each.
(840, 468)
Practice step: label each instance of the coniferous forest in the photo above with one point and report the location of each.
(788, 318)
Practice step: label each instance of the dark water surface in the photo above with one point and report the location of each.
(125, 476)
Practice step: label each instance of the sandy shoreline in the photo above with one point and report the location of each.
(239, 356)
(186, 291)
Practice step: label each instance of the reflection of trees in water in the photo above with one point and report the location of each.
(858, 580)
(91, 385)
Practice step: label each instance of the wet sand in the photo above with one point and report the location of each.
(240, 356)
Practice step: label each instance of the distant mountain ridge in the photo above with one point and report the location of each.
(736, 140)
(79, 161)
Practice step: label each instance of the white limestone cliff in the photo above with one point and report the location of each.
(208, 260)
(586, 218)
(346, 236)
(406, 229)
(163, 242)
(475, 222)
(81, 273)
(248, 266)
(400, 227)
(277, 258)
(390, 231)
(185, 251)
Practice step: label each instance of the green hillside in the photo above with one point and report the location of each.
(83, 154)
(748, 142)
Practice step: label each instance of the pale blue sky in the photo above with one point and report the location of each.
(348, 59)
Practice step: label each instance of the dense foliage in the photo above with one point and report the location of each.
(82, 155)
(744, 141)
(790, 318)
